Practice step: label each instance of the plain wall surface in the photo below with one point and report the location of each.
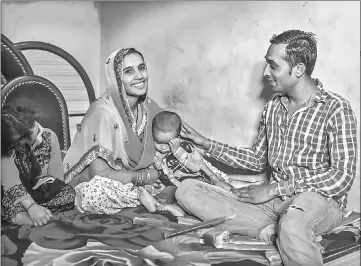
(206, 59)
(71, 25)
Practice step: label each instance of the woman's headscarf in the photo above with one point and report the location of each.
(114, 76)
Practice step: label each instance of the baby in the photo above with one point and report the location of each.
(177, 160)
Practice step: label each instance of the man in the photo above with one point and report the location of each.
(307, 135)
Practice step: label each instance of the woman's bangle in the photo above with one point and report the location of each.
(30, 206)
(138, 178)
(141, 179)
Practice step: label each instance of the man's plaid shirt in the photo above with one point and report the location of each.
(314, 150)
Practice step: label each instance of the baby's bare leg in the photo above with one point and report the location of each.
(147, 200)
(152, 204)
(172, 209)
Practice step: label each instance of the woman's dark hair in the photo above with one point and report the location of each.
(16, 125)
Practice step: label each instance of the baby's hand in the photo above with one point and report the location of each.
(174, 144)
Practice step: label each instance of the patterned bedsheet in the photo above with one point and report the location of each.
(73, 238)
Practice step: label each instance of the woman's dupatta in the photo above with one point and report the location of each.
(108, 129)
(138, 153)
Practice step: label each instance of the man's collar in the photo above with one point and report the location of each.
(318, 96)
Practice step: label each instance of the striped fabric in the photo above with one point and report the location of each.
(314, 150)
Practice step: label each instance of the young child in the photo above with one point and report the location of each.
(177, 160)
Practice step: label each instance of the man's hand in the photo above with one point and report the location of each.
(256, 193)
(189, 133)
(174, 144)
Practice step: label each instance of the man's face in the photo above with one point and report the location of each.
(277, 70)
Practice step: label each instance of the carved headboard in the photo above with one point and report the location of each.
(38, 92)
(19, 85)
(13, 62)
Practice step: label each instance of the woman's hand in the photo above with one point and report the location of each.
(39, 215)
(153, 174)
(189, 133)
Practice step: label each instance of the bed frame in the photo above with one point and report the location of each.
(19, 85)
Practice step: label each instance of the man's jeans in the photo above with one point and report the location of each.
(298, 220)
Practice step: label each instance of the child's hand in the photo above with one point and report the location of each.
(223, 185)
(39, 215)
(174, 144)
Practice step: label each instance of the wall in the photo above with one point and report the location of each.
(205, 59)
(72, 25)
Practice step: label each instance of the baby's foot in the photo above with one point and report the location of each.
(147, 200)
(171, 208)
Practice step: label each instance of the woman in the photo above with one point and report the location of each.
(32, 172)
(113, 150)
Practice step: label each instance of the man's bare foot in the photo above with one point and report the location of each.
(171, 208)
(147, 200)
(22, 218)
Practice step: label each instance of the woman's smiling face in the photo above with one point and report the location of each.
(135, 75)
